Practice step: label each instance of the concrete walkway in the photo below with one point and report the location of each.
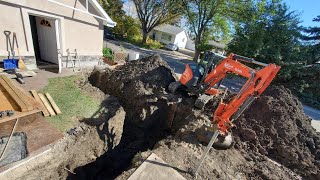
(154, 168)
(42, 79)
(313, 114)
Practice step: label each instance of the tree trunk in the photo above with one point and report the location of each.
(196, 55)
(144, 37)
(197, 50)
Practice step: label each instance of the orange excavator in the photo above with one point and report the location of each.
(204, 80)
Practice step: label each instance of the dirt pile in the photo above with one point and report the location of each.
(276, 126)
(140, 86)
(140, 112)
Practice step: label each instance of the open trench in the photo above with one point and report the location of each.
(148, 108)
(134, 139)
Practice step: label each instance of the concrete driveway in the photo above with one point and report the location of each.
(176, 60)
(313, 114)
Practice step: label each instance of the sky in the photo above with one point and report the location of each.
(309, 9)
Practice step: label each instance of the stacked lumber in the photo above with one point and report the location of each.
(15, 99)
(50, 108)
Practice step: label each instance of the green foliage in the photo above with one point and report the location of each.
(125, 25)
(150, 43)
(270, 32)
(209, 19)
(273, 36)
(152, 13)
(303, 81)
(314, 32)
(204, 47)
(107, 53)
(313, 38)
(113, 8)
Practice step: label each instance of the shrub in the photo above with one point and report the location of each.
(107, 53)
(303, 81)
(150, 44)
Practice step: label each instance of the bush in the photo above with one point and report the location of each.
(150, 44)
(303, 81)
(107, 53)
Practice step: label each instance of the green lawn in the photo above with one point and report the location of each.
(73, 103)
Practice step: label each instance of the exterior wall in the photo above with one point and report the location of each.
(190, 45)
(77, 30)
(181, 39)
(159, 35)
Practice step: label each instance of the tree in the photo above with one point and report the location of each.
(271, 34)
(314, 38)
(207, 16)
(314, 32)
(113, 8)
(152, 13)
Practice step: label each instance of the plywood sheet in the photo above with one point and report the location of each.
(39, 132)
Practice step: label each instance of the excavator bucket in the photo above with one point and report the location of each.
(204, 134)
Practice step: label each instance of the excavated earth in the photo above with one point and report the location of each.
(273, 138)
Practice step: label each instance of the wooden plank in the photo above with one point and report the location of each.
(37, 98)
(6, 102)
(53, 104)
(27, 73)
(18, 115)
(17, 100)
(35, 95)
(46, 104)
(19, 93)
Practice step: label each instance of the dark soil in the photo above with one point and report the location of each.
(273, 127)
(140, 86)
(274, 139)
(276, 126)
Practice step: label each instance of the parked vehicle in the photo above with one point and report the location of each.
(172, 47)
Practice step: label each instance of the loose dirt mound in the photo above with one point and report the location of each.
(138, 118)
(139, 85)
(276, 126)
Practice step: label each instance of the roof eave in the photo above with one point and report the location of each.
(108, 21)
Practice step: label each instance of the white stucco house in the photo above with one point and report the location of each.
(217, 47)
(46, 29)
(167, 33)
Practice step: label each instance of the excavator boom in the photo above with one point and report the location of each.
(257, 82)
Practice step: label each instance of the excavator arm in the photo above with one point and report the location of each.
(257, 82)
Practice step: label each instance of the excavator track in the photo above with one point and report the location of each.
(174, 86)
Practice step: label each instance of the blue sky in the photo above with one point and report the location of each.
(309, 9)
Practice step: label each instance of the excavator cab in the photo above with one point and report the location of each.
(195, 73)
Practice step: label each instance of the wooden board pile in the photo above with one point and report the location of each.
(14, 99)
(49, 106)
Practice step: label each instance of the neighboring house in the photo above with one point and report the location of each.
(167, 33)
(47, 28)
(217, 47)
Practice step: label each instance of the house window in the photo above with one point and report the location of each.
(183, 39)
(166, 37)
